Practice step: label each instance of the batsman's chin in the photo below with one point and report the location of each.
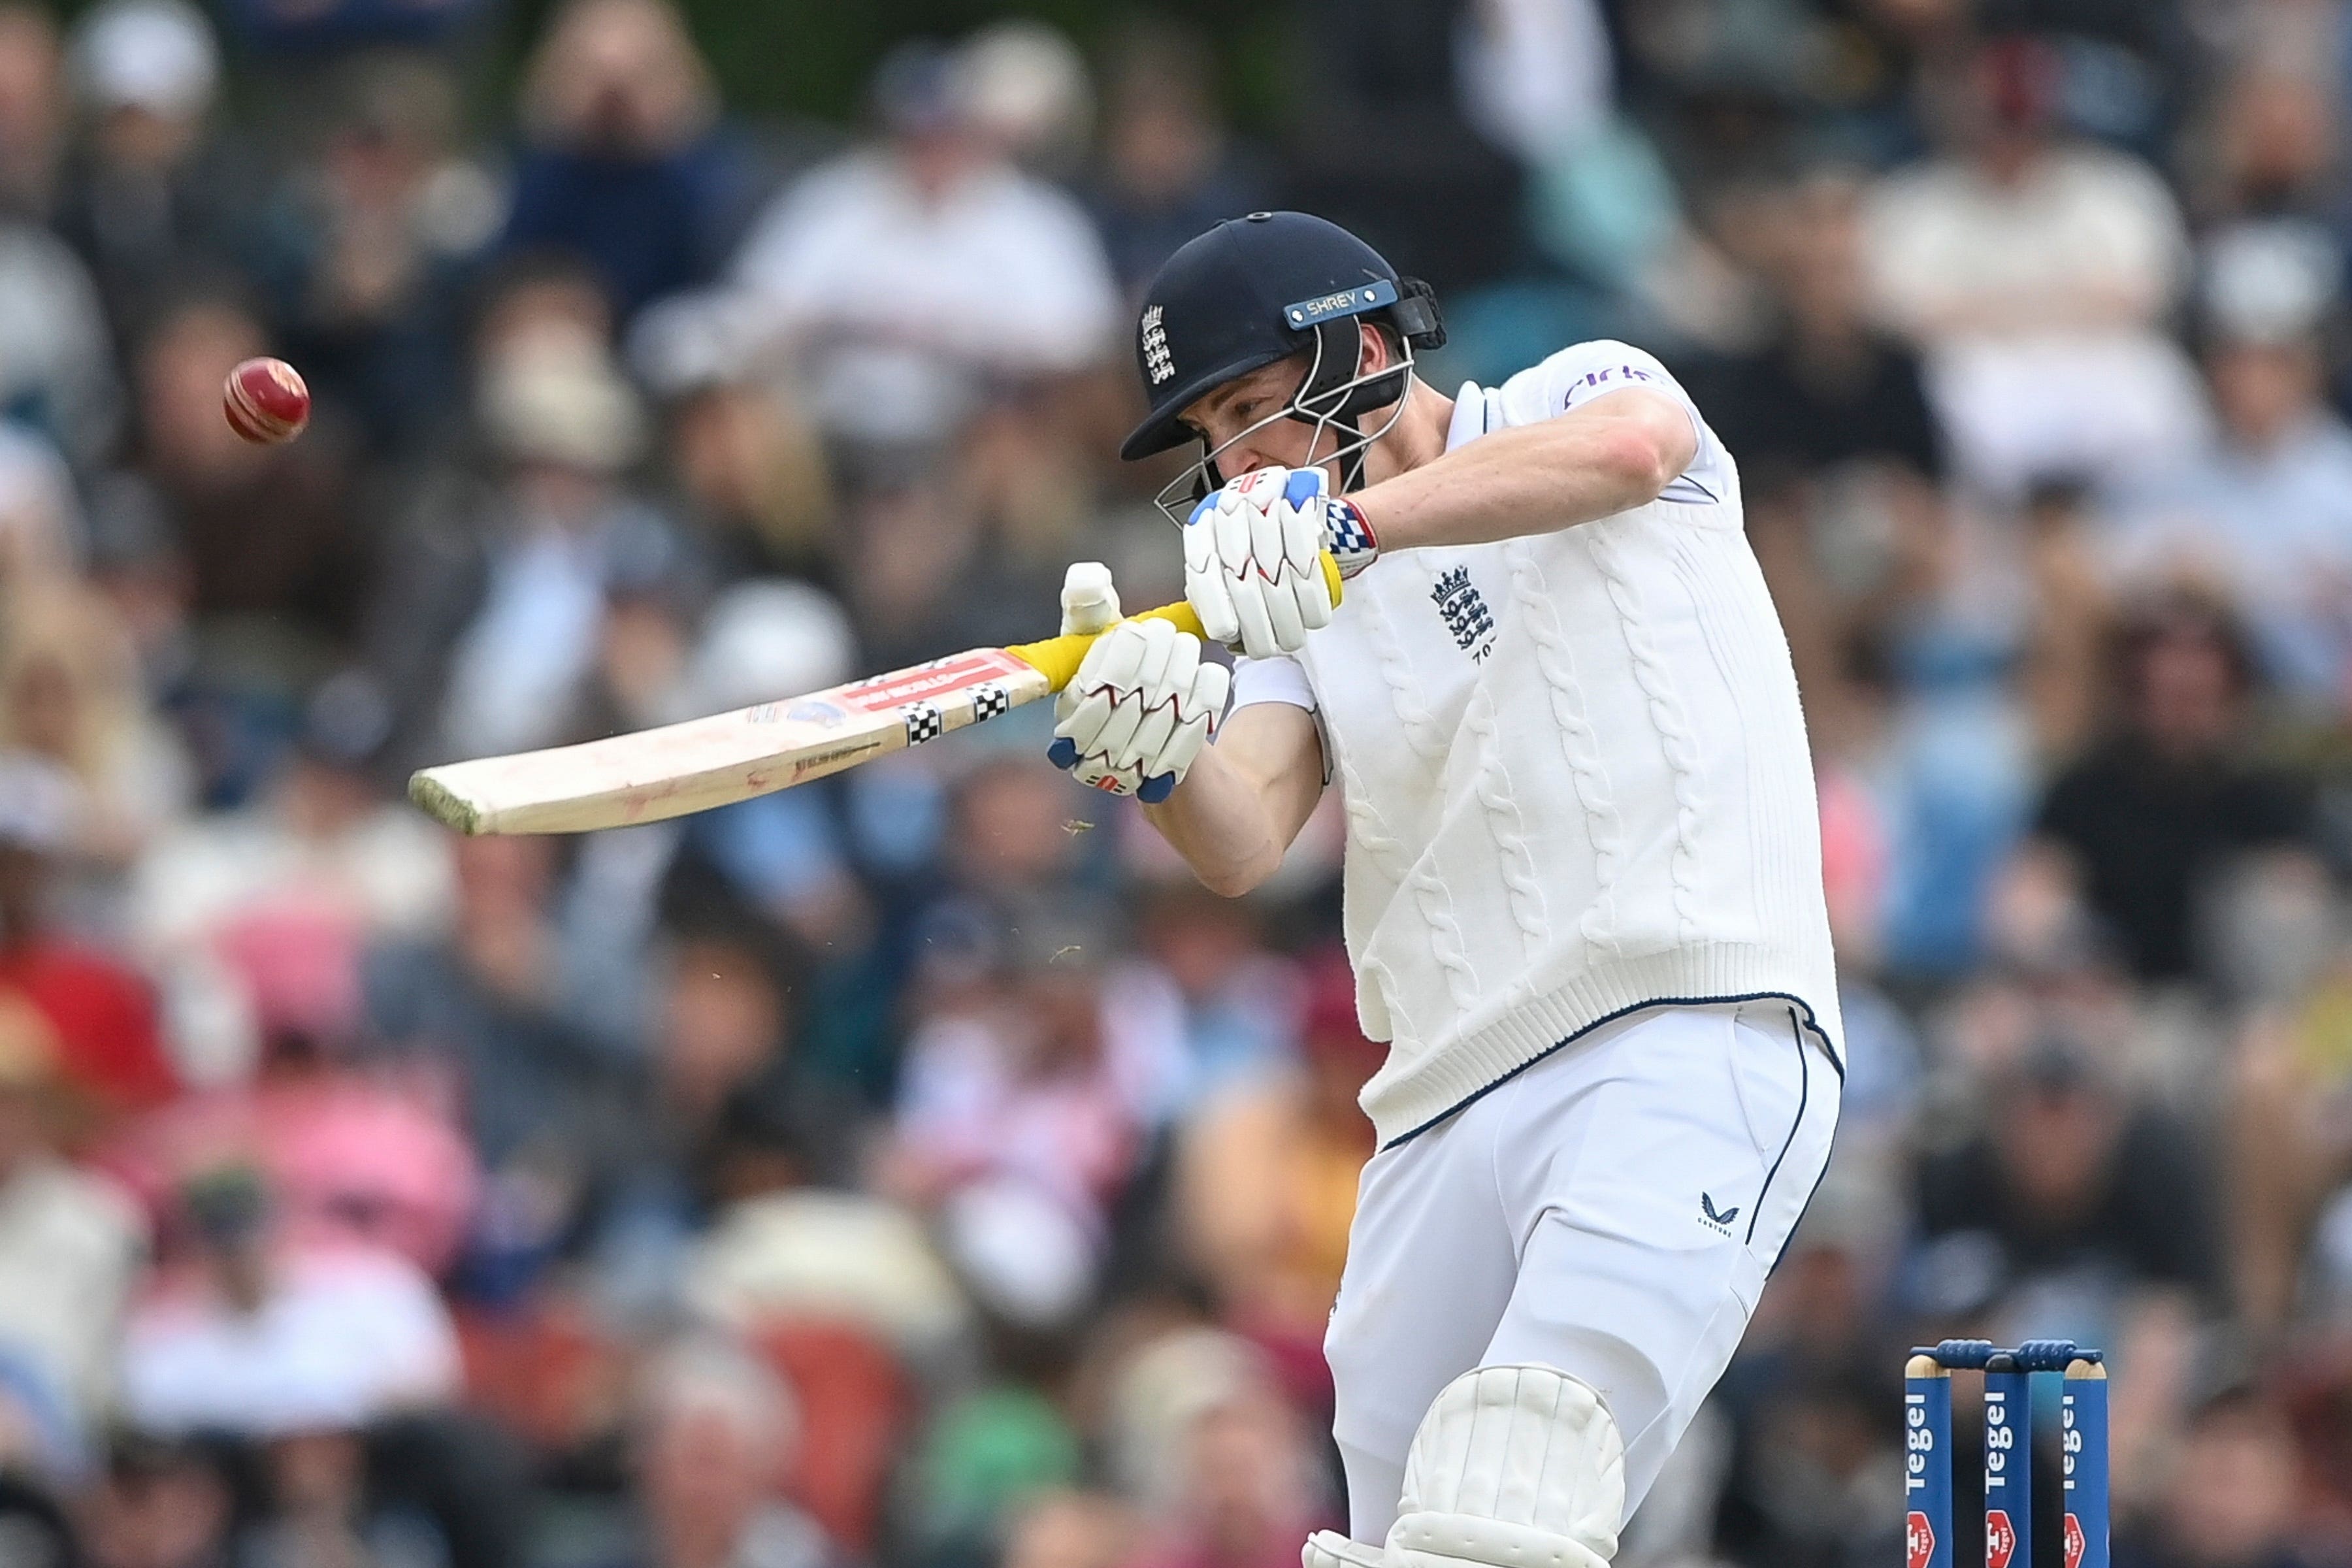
(445, 806)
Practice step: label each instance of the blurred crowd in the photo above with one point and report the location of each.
(915, 1169)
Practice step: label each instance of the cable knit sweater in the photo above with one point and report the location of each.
(1575, 772)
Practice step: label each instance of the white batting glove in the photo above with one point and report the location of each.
(1253, 558)
(1143, 703)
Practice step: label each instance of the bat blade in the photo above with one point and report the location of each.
(701, 763)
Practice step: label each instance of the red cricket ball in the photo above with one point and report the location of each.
(265, 402)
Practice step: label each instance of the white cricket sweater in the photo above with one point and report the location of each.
(1575, 772)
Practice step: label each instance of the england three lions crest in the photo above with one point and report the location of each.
(1158, 363)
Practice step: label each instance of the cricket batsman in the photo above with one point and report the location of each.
(1583, 879)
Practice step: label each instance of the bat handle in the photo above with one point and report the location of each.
(1057, 659)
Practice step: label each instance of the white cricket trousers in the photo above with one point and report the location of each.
(1613, 1211)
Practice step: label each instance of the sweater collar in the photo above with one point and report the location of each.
(1471, 419)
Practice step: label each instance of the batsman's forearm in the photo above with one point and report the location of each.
(1244, 799)
(1218, 822)
(1614, 453)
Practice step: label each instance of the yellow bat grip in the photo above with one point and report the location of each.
(1057, 659)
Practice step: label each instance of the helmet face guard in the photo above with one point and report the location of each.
(1336, 390)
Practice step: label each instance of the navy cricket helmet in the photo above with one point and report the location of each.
(1259, 288)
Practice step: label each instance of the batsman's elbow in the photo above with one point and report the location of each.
(1648, 445)
(1240, 879)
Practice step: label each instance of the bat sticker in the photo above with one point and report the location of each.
(924, 723)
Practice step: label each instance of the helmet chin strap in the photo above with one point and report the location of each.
(1352, 453)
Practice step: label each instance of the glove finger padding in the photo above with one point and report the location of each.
(1197, 718)
(1089, 603)
(1514, 1467)
(1277, 583)
(1236, 524)
(1175, 676)
(1140, 681)
(1302, 550)
(1144, 703)
(1205, 585)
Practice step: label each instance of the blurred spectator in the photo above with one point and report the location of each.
(70, 693)
(328, 30)
(70, 1246)
(135, 563)
(783, 1250)
(1215, 1456)
(2274, 149)
(626, 167)
(41, 528)
(1808, 1471)
(1840, 453)
(2063, 676)
(154, 195)
(2070, 1196)
(252, 1336)
(1008, 846)
(1029, 94)
(1384, 147)
(752, 481)
(35, 1527)
(2036, 273)
(988, 1467)
(782, 854)
(913, 275)
(321, 1511)
(732, 1111)
(712, 1432)
(1535, 74)
(2260, 511)
(934, 569)
(352, 1161)
(1167, 172)
(2242, 1508)
(482, 1011)
(727, 1032)
(159, 1503)
(493, 622)
(364, 245)
(110, 1056)
(32, 109)
(1873, 108)
(1831, 391)
(56, 346)
(1022, 1122)
(1266, 1174)
(274, 547)
(258, 918)
(2289, 1141)
(1923, 708)
(1241, 1004)
(1070, 1529)
(2142, 823)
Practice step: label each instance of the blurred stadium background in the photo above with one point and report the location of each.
(915, 1169)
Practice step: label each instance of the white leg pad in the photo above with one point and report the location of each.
(1514, 1467)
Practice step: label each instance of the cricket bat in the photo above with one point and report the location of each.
(700, 764)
